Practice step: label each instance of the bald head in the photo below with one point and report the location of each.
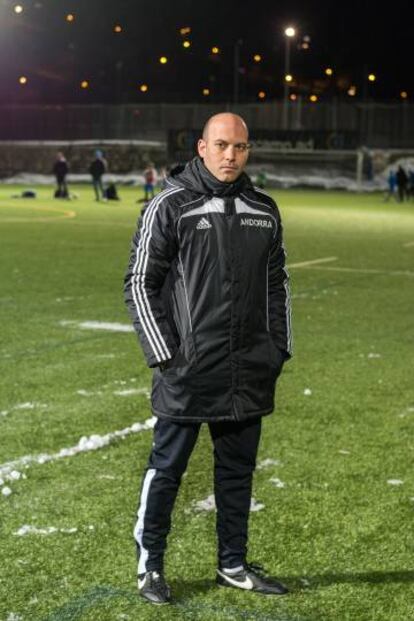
(224, 146)
(226, 119)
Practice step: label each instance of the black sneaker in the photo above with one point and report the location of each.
(153, 588)
(251, 578)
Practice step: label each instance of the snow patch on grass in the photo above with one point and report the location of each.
(256, 506)
(407, 412)
(27, 529)
(86, 443)
(266, 463)
(209, 504)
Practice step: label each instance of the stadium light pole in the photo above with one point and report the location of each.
(290, 32)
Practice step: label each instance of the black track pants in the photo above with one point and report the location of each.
(235, 450)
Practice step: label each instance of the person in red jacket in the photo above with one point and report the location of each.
(208, 294)
(150, 179)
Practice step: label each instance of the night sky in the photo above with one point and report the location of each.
(55, 56)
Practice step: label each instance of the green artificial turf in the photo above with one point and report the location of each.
(338, 533)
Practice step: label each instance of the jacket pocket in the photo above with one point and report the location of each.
(184, 358)
(276, 359)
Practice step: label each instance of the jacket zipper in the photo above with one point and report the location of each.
(229, 211)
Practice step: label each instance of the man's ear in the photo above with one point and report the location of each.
(201, 147)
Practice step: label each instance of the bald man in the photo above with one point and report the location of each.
(208, 293)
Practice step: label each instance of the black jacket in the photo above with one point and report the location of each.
(208, 293)
(60, 170)
(97, 168)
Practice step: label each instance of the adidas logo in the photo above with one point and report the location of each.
(203, 224)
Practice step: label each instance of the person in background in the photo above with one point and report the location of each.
(392, 185)
(411, 183)
(261, 179)
(150, 179)
(97, 169)
(60, 170)
(402, 183)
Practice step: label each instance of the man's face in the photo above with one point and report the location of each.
(225, 149)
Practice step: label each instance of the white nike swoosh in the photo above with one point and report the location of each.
(246, 584)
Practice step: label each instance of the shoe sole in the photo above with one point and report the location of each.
(232, 586)
(151, 601)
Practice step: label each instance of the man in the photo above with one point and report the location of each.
(60, 170)
(402, 183)
(150, 179)
(97, 169)
(209, 297)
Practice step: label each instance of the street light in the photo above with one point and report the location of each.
(290, 32)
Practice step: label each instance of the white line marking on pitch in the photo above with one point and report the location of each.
(363, 271)
(313, 262)
(23, 406)
(98, 325)
(408, 244)
(133, 391)
(86, 443)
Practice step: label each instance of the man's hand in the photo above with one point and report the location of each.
(164, 365)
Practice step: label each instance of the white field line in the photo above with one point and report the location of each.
(361, 270)
(133, 391)
(408, 244)
(23, 406)
(98, 325)
(313, 262)
(65, 213)
(9, 470)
